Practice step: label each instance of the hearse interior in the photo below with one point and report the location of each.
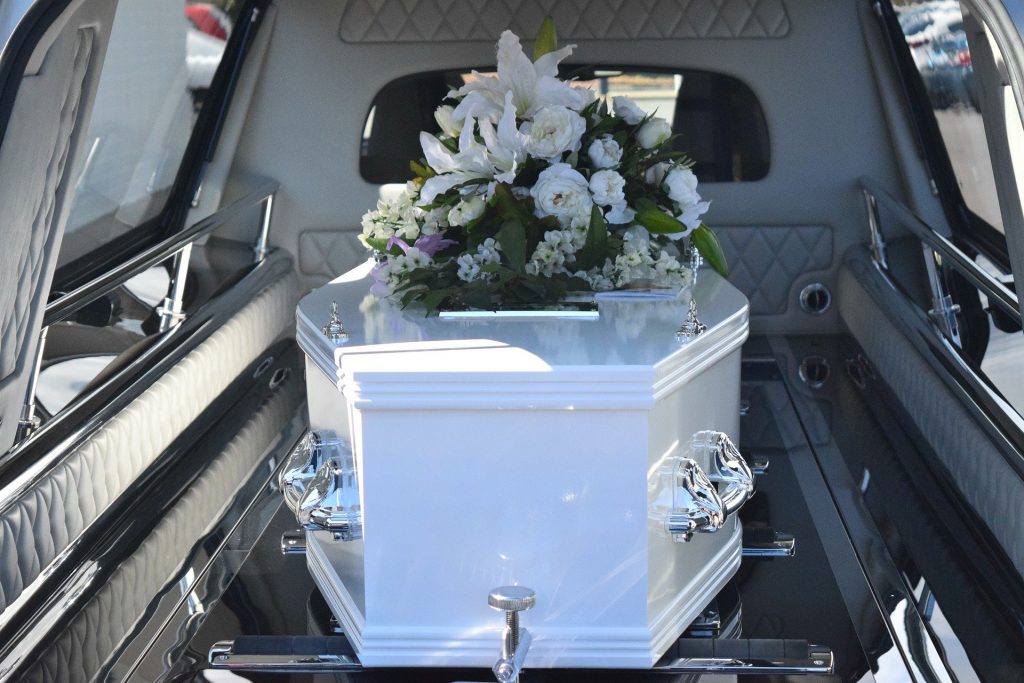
(176, 176)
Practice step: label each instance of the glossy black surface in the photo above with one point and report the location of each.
(876, 577)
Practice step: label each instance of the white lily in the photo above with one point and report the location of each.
(469, 163)
(506, 148)
(533, 85)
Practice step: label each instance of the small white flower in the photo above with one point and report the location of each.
(681, 185)
(469, 209)
(554, 130)
(627, 109)
(604, 152)
(446, 121)
(562, 191)
(469, 269)
(654, 133)
(608, 188)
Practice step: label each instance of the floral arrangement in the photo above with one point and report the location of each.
(533, 189)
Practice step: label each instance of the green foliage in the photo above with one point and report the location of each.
(708, 246)
(595, 250)
(547, 39)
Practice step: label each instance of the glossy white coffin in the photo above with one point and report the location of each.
(534, 452)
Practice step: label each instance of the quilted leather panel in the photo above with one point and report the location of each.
(400, 21)
(329, 253)
(768, 264)
(986, 480)
(39, 524)
(80, 651)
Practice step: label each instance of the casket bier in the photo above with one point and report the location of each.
(572, 456)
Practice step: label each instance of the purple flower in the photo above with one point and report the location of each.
(431, 244)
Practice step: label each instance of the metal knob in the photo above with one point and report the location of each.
(512, 598)
(515, 641)
(334, 329)
(691, 327)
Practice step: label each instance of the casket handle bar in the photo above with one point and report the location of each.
(698, 506)
(320, 486)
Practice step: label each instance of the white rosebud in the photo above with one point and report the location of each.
(654, 133)
(627, 109)
(444, 115)
(561, 191)
(604, 152)
(607, 187)
(465, 211)
(655, 175)
(554, 130)
(681, 185)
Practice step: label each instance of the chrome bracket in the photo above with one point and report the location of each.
(764, 542)
(293, 542)
(736, 656)
(308, 654)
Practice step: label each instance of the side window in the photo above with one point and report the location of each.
(719, 121)
(155, 76)
(978, 138)
(157, 69)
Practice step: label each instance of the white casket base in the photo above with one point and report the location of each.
(494, 452)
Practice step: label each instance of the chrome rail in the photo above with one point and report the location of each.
(945, 253)
(71, 302)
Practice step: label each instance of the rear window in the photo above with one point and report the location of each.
(719, 121)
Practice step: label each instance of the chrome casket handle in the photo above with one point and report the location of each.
(331, 499)
(727, 467)
(304, 460)
(698, 506)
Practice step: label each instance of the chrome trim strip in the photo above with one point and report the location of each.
(72, 301)
(948, 252)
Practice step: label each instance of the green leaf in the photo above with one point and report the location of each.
(656, 220)
(421, 170)
(547, 39)
(378, 243)
(512, 237)
(433, 299)
(595, 249)
(709, 247)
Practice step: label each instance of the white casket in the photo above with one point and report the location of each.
(540, 452)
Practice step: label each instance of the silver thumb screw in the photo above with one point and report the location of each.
(512, 600)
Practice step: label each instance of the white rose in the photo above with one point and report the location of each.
(627, 109)
(555, 130)
(467, 210)
(604, 152)
(444, 115)
(681, 185)
(653, 133)
(563, 192)
(607, 187)
(620, 214)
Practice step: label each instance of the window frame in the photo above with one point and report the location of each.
(971, 232)
(199, 151)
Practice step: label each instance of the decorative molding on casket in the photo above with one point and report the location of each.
(768, 264)
(413, 21)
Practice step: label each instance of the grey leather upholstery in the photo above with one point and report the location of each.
(38, 524)
(424, 20)
(772, 264)
(78, 653)
(988, 483)
(37, 160)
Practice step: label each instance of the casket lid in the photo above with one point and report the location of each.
(627, 357)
